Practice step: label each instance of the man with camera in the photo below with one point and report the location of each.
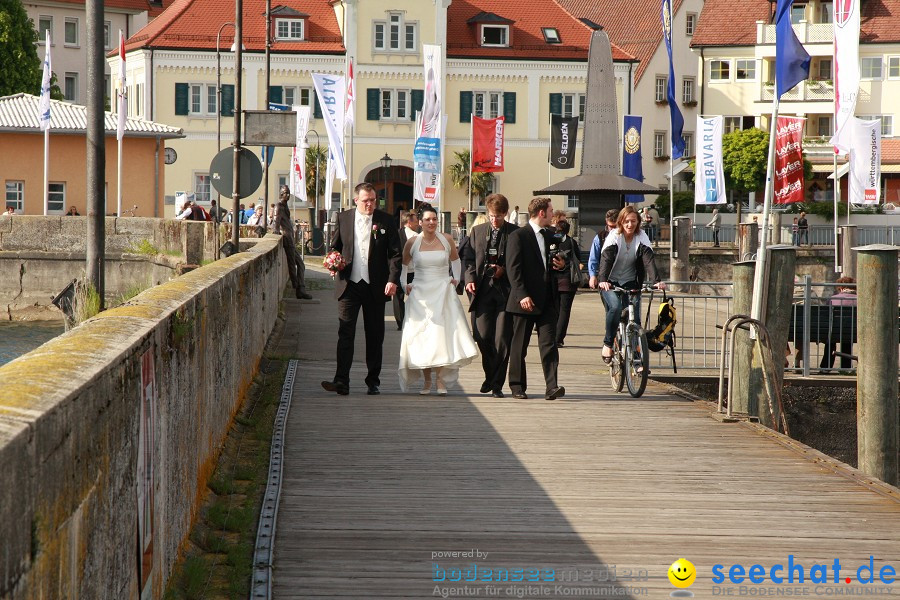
(486, 280)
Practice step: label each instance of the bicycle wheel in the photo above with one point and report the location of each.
(637, 362)
(616, 373)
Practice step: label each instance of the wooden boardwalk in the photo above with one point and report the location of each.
(605, 490)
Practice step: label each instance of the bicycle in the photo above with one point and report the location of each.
(630, 363)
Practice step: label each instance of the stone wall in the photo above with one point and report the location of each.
(69, 427)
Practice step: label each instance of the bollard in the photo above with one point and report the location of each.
(774, 228)
(679, 255)
(747, 240)
(876, 379)
(782, 263)
(849, 234)
(742, 275)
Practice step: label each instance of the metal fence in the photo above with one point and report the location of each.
(819, 235)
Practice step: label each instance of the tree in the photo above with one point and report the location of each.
(19, 62)
(482, 183)
(744, 155)
(311, 174)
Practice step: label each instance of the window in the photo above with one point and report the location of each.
(893, 67)
(395, 34)
(719, 70)
(661, 88)
(306, 96)
(659, 144)
(45, 24)
(495, 35)
(687, 90)
(826, 12)
(824, 69)
(823, 126)
(71, 32)
(572, 202)
(15, 195)
(56, 201)
(136, 100)
(288, 29)
(394, 105)
(690, 24)
(106, 35)
(203, 99)
(798, 13)
(71, 87)
(731, 124)
(572, 105)
(201, 187)
(745, 70)
(871, 67)
(887, 123)
(487, 105)
(551, 35)
(688, 143)
(211, 99)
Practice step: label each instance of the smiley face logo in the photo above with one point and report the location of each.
(682, 573)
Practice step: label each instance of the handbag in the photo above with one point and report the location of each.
(578, 278)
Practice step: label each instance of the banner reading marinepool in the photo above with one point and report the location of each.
(710, 184)
(429, 131)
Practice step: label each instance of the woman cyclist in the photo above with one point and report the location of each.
(625, 260)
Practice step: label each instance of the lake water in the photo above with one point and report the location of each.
(18, 338)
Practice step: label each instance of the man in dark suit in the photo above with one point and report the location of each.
(370, 244)
(533, 300)
(487, 282)
(409, 228)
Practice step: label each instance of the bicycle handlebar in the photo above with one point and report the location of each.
(644, 288)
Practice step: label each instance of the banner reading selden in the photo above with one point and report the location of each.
(789, 160)
(487, 145)
(563, 133)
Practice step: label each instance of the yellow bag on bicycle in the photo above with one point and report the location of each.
(664, 333)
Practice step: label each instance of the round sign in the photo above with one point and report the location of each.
(171, 155)
(221, 172)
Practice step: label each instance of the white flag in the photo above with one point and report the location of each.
(864, 137)
(45, 86)
(297, 178)
(330, 91)
(329, 182)
(710, 184)
(430, 123)
(123, 98)
(350, 110)
(846, 66)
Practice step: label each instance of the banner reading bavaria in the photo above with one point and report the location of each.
(632, 164)
(330, 90)
(789, 160)
(487, 145)
(429, 130)
(710, 185)
(563, 133)
(297, 176)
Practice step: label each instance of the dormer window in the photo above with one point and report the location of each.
(551, 35)
(495, 35)
(289, 29)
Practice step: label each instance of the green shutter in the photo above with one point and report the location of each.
(556, 104)
(228, 100)
(465, 107)
(509, 106)
(276, 93)
(373, 96)
(418, 99)
(182, 90)
(317, 108)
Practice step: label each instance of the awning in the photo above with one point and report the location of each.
(602, 182)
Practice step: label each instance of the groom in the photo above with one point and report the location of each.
(370, 244)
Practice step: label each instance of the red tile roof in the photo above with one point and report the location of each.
(131, 5)
(721, 25)
(193, 24)
(633, 25)
(526, 38)
(890, 150)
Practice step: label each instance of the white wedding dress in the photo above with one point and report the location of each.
(435, 329)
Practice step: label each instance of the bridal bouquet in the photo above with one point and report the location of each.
(334, 262)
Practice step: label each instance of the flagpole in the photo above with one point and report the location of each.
(46, 170)
(471, 130)
(549, 155)
(838, 268)
(760, 276)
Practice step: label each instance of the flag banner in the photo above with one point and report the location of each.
(563, 134)
(123, 90)
(487, 145)
(427, 185)
(430, 125)
(632, 162)
(674, 112)
(846, 66)
(428, 147)
(45, 85)
(788, 160)
(329, 181)
(427, 155)
(297, 176)
(791, 59)
(865, 160)
(330, 91)
(350, 110)
(709, 187)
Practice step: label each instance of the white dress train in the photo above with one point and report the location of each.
(435, 329)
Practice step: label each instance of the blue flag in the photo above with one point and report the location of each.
(631, 154)
(674, 112)
(791, 59)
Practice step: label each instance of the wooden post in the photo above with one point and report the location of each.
(679, 255)
(747, 240)
(876, 385)
(781, 264)
(849, 236)
(742, 275)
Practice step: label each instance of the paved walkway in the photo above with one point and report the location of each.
(604, 490)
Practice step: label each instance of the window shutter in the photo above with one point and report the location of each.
(228, 100)
(181, 98)
(276, 93)
(509, 106)
(317, 108)
(556, 104)
(373, 97)
(418, 99)
(465, 107)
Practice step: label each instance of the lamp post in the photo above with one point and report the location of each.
(386, 165)
(219, 123)
(305, 146)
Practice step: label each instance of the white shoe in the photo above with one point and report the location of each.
(426, 389)
(441, 388)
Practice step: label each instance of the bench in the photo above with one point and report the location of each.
(827, 324)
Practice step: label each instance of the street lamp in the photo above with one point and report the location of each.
(386, 165)
(305, 146)
(219, 87)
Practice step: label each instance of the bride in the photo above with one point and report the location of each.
(436, 339)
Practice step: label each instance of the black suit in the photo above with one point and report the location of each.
(384, 266)
(399, 298)
(491, 323)
(529, 277)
